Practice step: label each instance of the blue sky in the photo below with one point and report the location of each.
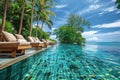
(102, 14)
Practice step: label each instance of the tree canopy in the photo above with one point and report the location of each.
(78, 22)
(40, 8)
(71, 33)
(67, 34)
(118, 4)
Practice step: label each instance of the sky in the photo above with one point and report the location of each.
(103, 16)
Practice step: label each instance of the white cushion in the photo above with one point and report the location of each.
(18, 36)
(9, 37)
(23, 42)
(30, 39)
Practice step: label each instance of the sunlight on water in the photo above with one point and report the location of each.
(91, 47)
(72, 62)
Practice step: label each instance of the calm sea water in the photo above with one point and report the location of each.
(104, 50)
(95, 61)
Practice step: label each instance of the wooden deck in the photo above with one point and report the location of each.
(5, 62)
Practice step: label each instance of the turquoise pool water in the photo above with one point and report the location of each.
(95, 61)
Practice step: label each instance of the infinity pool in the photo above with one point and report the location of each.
(72, 62)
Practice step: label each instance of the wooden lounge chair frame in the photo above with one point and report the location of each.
(12, 44)
(36, 45)
(13, 47)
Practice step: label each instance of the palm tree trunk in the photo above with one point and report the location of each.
(42, 25)
(31, 17)
(37, 25)
(22, 15)
(3, 19)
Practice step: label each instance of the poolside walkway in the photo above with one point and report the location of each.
(6, 61)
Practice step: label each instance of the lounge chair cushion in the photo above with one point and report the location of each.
(23, 42)
(37, 40)
(34, 39)
(18, 36)
(9, 37)
(30, 39)
(44, 40)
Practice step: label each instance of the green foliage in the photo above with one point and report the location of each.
(13, 16)
(41, 34)
(8, 27)
(118, 4)
(14, 13)
(71, 33)
(77, 21)
(44, 13)
(52, 40)
(79, 39)
(67, 34)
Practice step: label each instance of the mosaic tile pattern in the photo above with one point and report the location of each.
(71, 62)
(18, 70)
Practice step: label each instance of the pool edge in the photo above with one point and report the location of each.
(20, 58)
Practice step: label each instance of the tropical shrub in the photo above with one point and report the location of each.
(13, 15)
(41, 34)
(71, 32)
(67, 34)
(8, 27)
(79, 39)
(78, 22)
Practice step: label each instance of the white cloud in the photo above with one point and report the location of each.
(117, 12)
(100, 13)
(113, 0)
(93, 39)
(53, 29)
(109, 33)
(93, 7)
(109, 36)
(93, 1)
(108, 25)
(53, 37)
(90, 35)
(60, 21)
(107, 10)
(110, 9)
(61, 6)
(96, 1)
(102, 37)
(34, 24)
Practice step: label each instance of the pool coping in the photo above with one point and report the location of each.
(20, 58)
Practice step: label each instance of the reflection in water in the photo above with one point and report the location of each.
(72, 62)
(91, 47)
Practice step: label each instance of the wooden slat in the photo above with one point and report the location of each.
(35, 44)
(23, 47)
(13, 47)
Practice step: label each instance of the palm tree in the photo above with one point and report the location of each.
(3, 18)
(45, 17)
(22, 15)
(42, 5)
(31, 17)
(49, 23)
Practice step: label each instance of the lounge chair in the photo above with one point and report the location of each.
(48, 42)
(12, 44)
(51, 42)
(35, 42)
(45, 41)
